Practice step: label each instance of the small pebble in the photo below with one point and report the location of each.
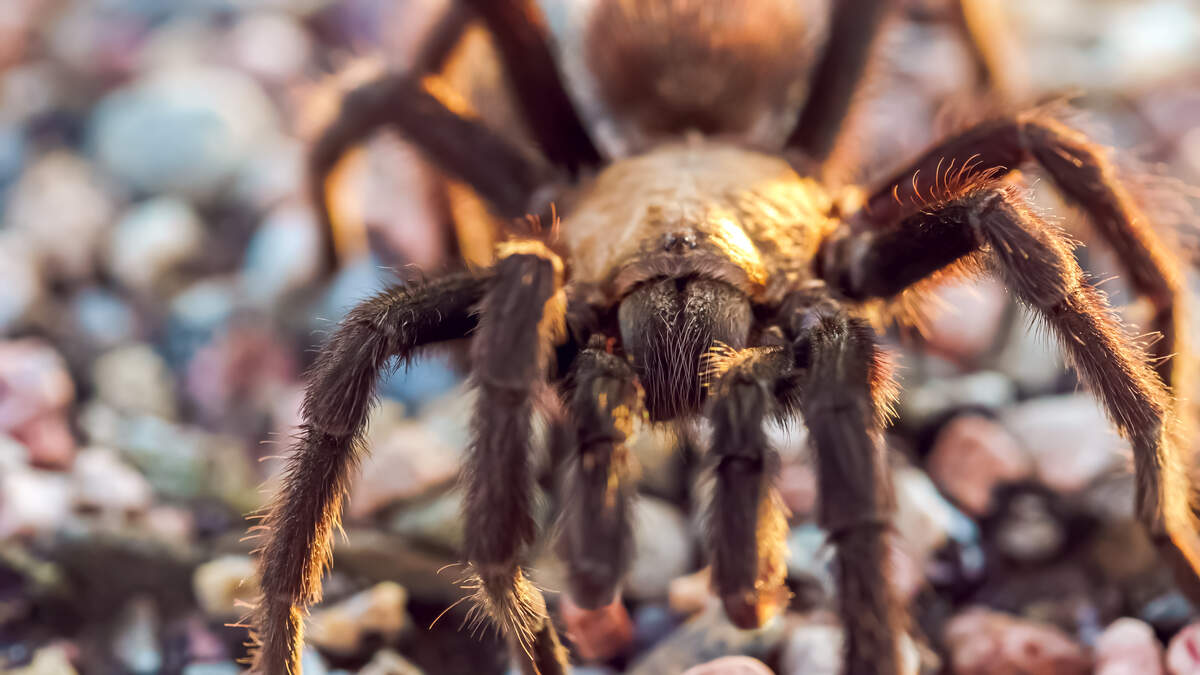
(63, 209)
(664, 546)
(971, 456)
(651, 624)
(283, 256)
(967, 318)
(598, 634)
(106, 484)
(226, 586)
(33, 381)
(1128, 647)
(1183, 652)
(812, 649)
(341, 628)
(924, 519)
(691, 593)
(1070, 438)
(150, 241)
(33, 502)
(51, 660)
(1028, 531)
(407, 463)
(984, 642)
(1168, 613)
(146, 133)
(731, 665)
(136, 643)
(135, 379)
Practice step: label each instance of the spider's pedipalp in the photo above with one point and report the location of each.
(597, 536)
(520, 320)
(838, 354)
(1035, 261)
(341, 388)
(747, 522)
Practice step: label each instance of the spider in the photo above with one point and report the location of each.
(707, 271)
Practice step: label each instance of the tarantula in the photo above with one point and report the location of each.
(702, 274)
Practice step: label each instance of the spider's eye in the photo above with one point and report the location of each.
(668, 324)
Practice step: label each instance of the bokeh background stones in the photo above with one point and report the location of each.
(161, 292)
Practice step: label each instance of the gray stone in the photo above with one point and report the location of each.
(135, 379)
(151, 241)
(1070, 439)
(706, 637)
(63, 209)
(388, 662)
(810, 557)
(182, 130)
(105, 484)
(283, 256)
(341, 628)
(662, 548)
(136, 641)
(225, 586)
(924, 519)
(436, 521)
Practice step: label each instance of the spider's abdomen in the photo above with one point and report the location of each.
(733, 67)
(696, 209)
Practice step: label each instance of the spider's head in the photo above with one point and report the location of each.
(676, 304)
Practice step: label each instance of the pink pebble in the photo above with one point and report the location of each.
(1128, 647)
(731, 665)
(1183, 653)
(598, 634)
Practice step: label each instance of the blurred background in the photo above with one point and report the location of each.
(163, 286)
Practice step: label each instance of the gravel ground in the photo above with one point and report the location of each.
(162, 291)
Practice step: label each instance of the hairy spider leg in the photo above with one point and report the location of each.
(521, 319)
(853, 32)
(747, 522)
(1084, 173)
(839, 398)
(298, 526)
(523, 40)
(459, 145)
(1035, 261)
(597, 535)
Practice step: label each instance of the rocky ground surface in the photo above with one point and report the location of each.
(161, 292)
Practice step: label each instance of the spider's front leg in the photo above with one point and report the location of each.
(520, 320)
(747, 524)
(597, 543)
(839, 398)
(297, 528)
(1036, 262)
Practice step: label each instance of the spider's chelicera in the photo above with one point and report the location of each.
(701, 275)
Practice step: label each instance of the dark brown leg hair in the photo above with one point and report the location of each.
(852, 31)
(747, 524)
(841, 366)
(1036, 262)
(461, 146)
(597, 541)
(520, 319)
(1083, 172)
(341, 387)
(523, 41)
